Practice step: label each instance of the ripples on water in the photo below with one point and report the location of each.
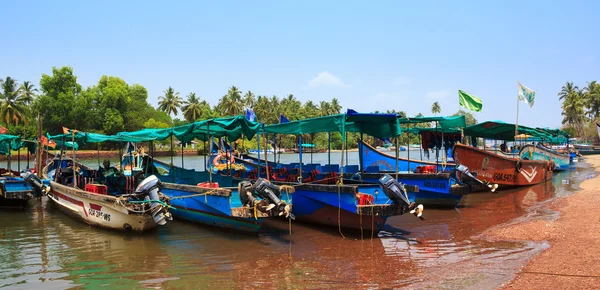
(41, 247)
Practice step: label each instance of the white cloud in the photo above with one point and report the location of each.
(326, 79)
(402, 81)
(437, 95)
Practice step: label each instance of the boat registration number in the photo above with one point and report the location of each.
(505, 177)
(99, 214)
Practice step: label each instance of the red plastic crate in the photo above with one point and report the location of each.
(365, 199)
(96, 188)
(208, 185)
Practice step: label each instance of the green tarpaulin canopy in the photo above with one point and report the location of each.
(501, 131)
(230, 127)
(378, 125)
(10, 142)
(445, 122)
(417, 130)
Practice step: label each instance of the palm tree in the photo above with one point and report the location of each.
(231, 104)
(192, 109)
(435, 108)
(325, 108)
(249, 99)
(170, 102)
(27, 91)
(13, 106)
(336, 108)
(567, 90)
(592, 99)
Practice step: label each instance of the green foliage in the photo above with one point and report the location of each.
(170, 102)
(469, 118)
(13, 106)
(154, 124)
(58, 99)
(436, 108)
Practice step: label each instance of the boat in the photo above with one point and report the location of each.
(371, 157)
(15, 191)
(119, 206)
(505, 171)
(540, 152)
(197, 196)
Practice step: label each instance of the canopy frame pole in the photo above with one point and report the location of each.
(397, 152)
(74, 159)
(266, 137)
(259, 160)
(171, 151)
(312, 149)
(300, 157)
(437, 149)
(346, 141)
(19, 160)
(408, 152)
(205, 152)
(28, 158)
(211, 142)
(182, 167)
(121, 167)
(360, 157)
(517, 123)
(98, 153)
(328, 151)
(275, 148)
(421, 147)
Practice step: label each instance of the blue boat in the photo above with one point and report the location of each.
(540, 152)
(371, 157)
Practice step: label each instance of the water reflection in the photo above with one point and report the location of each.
(41, 247)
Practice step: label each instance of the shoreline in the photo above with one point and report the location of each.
(573, 257)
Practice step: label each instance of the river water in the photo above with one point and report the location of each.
(42, 247)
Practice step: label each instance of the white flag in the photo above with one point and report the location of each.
(526, 95)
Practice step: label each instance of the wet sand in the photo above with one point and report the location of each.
(573, 259)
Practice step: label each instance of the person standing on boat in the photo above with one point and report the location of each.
(107, 170)
(503, 147)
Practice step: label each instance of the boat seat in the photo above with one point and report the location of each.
(330, 168)
(351, 169)
(372, 169)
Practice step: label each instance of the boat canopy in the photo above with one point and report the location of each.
(231, 127)
(501, 131)
(378, 125)
(308, 145)
(418, 130)
(10, 142)
(445, 122)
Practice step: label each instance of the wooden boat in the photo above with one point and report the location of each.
(506, 172)
(15, 191)
(539, 152)
(370, 157)
(125, 207)
(587, 149)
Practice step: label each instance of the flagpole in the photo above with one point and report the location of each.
(517, 124)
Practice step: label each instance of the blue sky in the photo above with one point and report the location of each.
(372, 55)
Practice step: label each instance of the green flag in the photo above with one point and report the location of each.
(472, 103)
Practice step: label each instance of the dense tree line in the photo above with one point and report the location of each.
(112, 106)
(580, 109)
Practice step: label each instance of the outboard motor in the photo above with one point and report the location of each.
(36, 183)
(268, 192)
(150, 187)
(463, 175)
(396, 192)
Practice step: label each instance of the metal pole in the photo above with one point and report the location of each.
(181, 155)
(517, 124)
(421, 147)
(329, 150)
(205, 152)
(312, 140)
(19, 160)
(275, 148)
(210, 140)
(397, 149)
(74, 159)
(259, 160)
(266, 158)
(171, 151)
(360, 157)
(408, 153)
(300, 156)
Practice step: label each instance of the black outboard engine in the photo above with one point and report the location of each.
(150, 187)
(394, 190)
(269, 194)
(463, 175)
(36, 183)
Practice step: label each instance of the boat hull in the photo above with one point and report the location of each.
(372, 157)
(531, 152)
(98, 210)
(212, 207)
(506, 172)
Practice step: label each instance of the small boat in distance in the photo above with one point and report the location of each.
(540, 152)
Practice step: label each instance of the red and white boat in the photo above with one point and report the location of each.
(505, 171)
